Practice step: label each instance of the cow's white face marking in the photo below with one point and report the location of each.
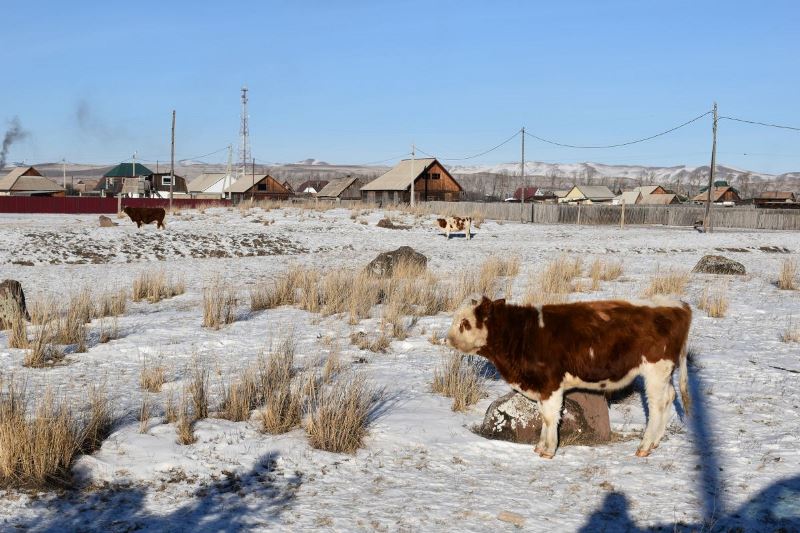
(540, 314)
(591, 353)
(464, 334)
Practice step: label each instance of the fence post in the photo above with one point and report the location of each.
(579, 214)
(622, 216)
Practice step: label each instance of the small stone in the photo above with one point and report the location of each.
(717, 264)
(106, 222)
(383, 265)
(512, 518)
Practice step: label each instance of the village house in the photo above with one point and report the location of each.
(776, 199)
(113, 182)
(288, 186)
(660, 199)
(429, 179)
(158, 184)
(628, 198)
(348, 188)
(27, 181)
(725, 195)
(258, 187)
(210, 185)
(311, 187)
(589, 194)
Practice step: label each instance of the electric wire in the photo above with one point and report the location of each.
(760, 123)
(475, 155)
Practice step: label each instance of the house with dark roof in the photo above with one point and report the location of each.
(725, 195)
(27, 181)
(348, 188)
(113, 181)
(311, 187)
(776, 199)
(429, 179)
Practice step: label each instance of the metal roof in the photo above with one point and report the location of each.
(245, 183)
(658, 199)
(629, 197)
(18, 182)
(202, 182)
(595, 192)
(125, 170)
(401, 176)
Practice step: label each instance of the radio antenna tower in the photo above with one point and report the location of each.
(244, 133)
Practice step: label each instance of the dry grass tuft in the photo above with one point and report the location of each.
(144, 413)
(152, 378)
(379, 343)
(108, 333)
(37, 451)
(155, 287)
(219, 305)
(671, 282)
(184, 427)
(41, 350)
(787, 277)
(714, 302)
(170, 408)
(555, 282)
(18, 333)
(604, 271)
(459, 378)
(340, 414)
(197, 391)
(792, 332)
(241, 396)
(112, 304)
(282, 401)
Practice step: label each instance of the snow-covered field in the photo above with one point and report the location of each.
(422, 468)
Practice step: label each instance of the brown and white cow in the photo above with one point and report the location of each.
(544, 350)
(455, 225)
(146, 215)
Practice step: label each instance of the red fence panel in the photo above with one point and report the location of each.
(95, 205)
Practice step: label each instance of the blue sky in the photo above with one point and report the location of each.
(359, 81)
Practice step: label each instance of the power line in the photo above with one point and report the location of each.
(384, 160)
(204, 155)
(628, 143)
(473, 156)
(760, 123)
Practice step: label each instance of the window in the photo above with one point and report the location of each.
(435, 175)
(261, 187)
(166, 180)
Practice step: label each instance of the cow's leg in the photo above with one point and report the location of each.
(670, 397)
(447, 233)
(658, 388)
(551, 414)
(469, 230)
(540, 446)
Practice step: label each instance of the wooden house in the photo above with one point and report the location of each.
(348, 188)
(776, 199)
(258, 187)
(589, 194)
(288, 186)
(628, 198)
(210, 185)
(660, 199)
(429, 179)
(726, 195)
(159, 182)
(27, 181)
(311, 187)
(111, 184)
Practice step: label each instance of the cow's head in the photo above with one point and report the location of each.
(126, 210)
(469, 331)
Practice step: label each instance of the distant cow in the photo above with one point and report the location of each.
(455, 225)
(146, 215)
(544, 350)
(12, 303)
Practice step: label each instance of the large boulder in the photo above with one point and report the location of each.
(515, 418)
(12, 302)
(384, 264)
(106, 222)
(717, 264)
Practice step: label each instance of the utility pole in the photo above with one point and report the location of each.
(707, 218)
(228, 177)
(253, 188)
(172, 162)
(522, 173)
(413, 176)
(64, 173)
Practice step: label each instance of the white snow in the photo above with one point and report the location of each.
(421, 468)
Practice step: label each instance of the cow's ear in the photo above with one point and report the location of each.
(485, 301)
(474, 301)
(500, 301)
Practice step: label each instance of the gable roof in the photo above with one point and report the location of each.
(716, 194)
(530, 192)
(630, 197)
(776, 195)
(316, 185)
(125, 170)
(647, 189)
(336, 187)
(595, 192)
(245, 183)
(658, 199)
(27, 179)
(401, 176)
(202, 182)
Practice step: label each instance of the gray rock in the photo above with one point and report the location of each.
(12, 301)
(717, 264)
(106, 222)
(383, 265)
(515, 418)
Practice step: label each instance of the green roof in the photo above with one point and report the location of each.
(125, 170)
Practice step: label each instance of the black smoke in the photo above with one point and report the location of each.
(13, 134)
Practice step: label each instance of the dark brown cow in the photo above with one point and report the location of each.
(455, 225)
(544, 350)
(146, 215)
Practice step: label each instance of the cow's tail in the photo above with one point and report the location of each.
(683, 371)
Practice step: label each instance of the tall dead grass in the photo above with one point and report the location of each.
(670, 282)
(37, 451)
(602, 270)
(155, 286)
(152, 378)
(459, 378)
(339, 414)
(197, 390)
(41, 350)
(18, 332)
(112, 304)
(282, 400)
(792, 332)
(219, 305)
(787, 276)
(554, 283)
(714, 301)
(184, 426)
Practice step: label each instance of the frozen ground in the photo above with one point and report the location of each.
(422, 469)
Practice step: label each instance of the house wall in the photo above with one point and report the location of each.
(445, 188)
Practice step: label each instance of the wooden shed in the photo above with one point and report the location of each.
(258, 187)
(719, 195)
(27, 181)
(430, 181)
(159, 184)
(348, 188)
(590, 194)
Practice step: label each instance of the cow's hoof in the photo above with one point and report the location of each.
(546, 455)
(642, 453)
(538, 449)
